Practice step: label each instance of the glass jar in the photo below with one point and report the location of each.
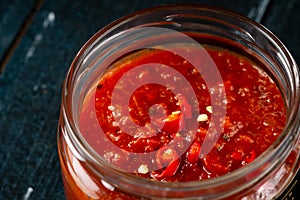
(86, 175)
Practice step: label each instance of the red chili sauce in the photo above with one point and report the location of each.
(254, 118)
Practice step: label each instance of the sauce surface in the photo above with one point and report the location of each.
(143, 122)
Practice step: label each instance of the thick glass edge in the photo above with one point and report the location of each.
(67, 94)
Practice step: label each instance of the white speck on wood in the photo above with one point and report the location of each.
(28, 193)
(36, 41)
(49, 20)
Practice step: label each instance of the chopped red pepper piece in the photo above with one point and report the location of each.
(213, 164)
(251, 157)
(194, 152)
(167, 157)
(176, 120)
(170, 170)
(172, 123)
(237, 156)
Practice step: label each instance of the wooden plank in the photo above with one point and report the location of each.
(284, 20)
(30, 89)
(14, 19)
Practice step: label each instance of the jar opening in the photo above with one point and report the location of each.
(119, 57)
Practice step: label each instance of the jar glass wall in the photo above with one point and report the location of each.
(87, 175)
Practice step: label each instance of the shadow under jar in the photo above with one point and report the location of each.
(190, 102)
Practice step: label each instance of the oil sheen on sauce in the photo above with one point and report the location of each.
(143, 122)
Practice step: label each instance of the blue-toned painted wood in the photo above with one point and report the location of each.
(284, 21)
(30, 85)
(13, 16)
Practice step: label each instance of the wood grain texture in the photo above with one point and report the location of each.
(30, 85)
(284, 21)
(15, 17)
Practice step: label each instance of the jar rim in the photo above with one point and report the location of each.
(192, 185)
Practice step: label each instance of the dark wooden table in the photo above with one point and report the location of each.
(38, 40)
